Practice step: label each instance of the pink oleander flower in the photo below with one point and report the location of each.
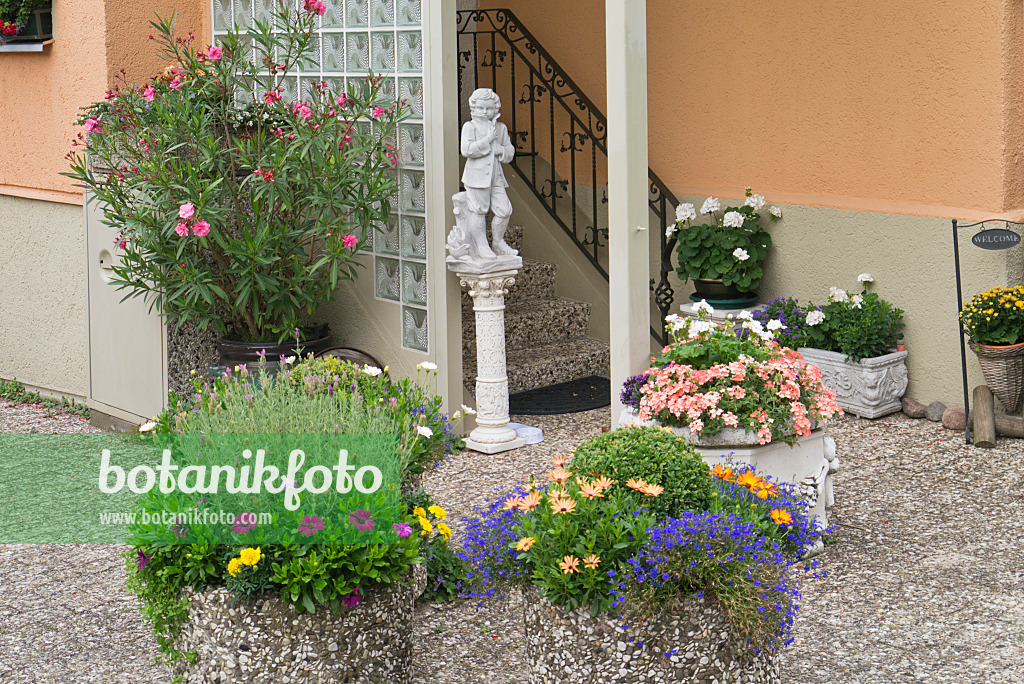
(201, 228)
(149, 93)
(342, 100)
(177, 83)
(186, 211)
(181, 229)
(92, 125)
(214, 53)
(378, 112)
(350, 240)
(271, 96)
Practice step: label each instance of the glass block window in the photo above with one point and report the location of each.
(385, 37)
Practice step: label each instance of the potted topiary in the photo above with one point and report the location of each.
(994, 322)
(736, 393)
(627, 579)
(237, 209)
(854, 340)
(725, 255)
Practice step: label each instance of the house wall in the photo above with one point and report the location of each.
(44, 330)
(871, 125)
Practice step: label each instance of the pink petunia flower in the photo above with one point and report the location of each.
(350, 240)
(201, 229)
(186, 211)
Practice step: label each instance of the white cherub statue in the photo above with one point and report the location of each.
(486, 146)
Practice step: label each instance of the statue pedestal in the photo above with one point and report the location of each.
(488, 282)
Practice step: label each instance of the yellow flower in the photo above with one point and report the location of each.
(444, 531)
(525, 543)
(249, 556)
(781, 516)
(425, 527)
(234, 565)
(438, 512)
(419, 512)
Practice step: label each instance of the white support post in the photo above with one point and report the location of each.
(628, 217)
(441, 133)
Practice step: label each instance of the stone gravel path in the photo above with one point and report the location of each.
(923, 576)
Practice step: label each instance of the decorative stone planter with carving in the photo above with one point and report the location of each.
(809, 464)
(870, 388)
(267, 642)
(692, 642)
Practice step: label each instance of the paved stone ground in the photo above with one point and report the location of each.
(923, 575)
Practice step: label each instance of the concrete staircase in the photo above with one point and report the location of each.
(545, 335)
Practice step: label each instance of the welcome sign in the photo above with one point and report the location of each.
(996, 238)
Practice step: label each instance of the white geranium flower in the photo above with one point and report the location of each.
(865, 278)
(775, 211)
(754, 326)
(698, 327)
(745, 315)
(680, 323)
(857, 301)
(837, 294)
(710, 206)
(815, 317)
(766, 336)
(147, 426)
(740, 254)
(703, 306)
(755, 201)
(775, 324)
(427, 365)
(468, 411)
(671, 319)
(686, 212)
(670, 230)
(372, 370)
(733, 219)
(424, 431)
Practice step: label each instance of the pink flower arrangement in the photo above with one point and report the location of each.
(721, 377)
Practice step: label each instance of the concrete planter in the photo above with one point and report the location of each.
(868, 389)
(267, 642)
(809, 464)
(692, 642)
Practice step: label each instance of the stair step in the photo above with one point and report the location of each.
(514, 237)
(536, 280)
(534, 322)
(549, 364)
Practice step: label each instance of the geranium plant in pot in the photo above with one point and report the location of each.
(19, 18)
(994, 322)
(588, 547)
(854, 340)
(237, 209)
(724, 255)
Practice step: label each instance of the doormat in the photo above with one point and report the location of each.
(565, 397)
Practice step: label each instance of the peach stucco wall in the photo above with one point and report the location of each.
(905, 106)
(41, 93)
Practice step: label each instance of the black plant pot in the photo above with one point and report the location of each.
(235, 352)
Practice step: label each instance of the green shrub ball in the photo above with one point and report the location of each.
(654, 455)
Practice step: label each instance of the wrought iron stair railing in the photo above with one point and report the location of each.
(560, 137)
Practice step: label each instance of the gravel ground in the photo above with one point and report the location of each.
(923, 575)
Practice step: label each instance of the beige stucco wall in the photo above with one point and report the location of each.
(43, 328)
(898, 107)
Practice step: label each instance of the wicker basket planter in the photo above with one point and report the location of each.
(809, 464)
(1003, 368)
(691, 642)
(267, 642)
(870, 388)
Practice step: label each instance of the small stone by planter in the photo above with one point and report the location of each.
(809, 464)
(691, 642)
(870, 388)
(268, 642)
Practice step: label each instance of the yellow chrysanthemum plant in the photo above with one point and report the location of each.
(995, 317)
(445, 572)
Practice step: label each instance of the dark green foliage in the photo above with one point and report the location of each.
(654, 455)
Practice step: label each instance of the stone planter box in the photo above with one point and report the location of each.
(267, 642)
(868, 389)
(574, 647)
(809, 464)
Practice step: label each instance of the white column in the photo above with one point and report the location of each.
(492, 433)
(628, 247)
(441, 138)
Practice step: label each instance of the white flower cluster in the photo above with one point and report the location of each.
(775, 211)
(740, 254)
(710, 206)
(837, 294)
(755, 327)
(857, 301)
(755, 201)
(372, 370)
(865, 278)
(814, 317)
(686, 212)
(733, 219)
(702, 307)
